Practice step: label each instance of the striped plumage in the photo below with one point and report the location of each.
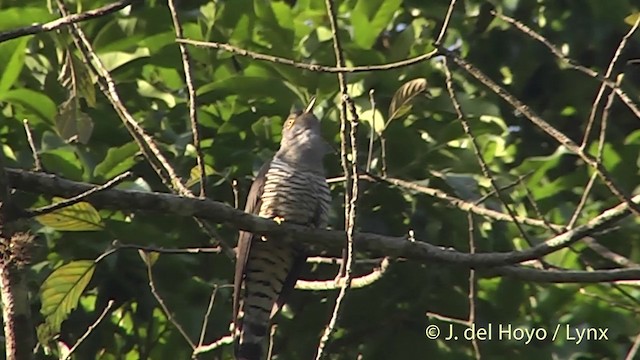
(291, 187)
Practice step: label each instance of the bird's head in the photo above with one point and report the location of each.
(302, 142)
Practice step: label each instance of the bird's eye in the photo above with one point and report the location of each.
(289, 124)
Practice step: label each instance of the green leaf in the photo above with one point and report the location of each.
(81, 216)
(37, 102)
(72, 124)
(401, 101)
(115, 59)
(370, 18)
(117, 161)
(61, 292)
(12, 54)
(64, 160)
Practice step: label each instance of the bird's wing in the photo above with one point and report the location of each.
(244, 239)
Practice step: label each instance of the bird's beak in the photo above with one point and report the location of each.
(309, 107)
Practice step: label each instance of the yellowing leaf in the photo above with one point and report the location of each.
(401, 102)
(149, 257)
(60, 293)
(77, 217)
(194, 177)
(631, 19)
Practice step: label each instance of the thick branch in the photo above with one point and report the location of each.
(316, 239)
(18, 333)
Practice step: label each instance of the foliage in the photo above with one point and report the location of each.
(242, 103)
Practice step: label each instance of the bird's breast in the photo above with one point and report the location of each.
(294, 195)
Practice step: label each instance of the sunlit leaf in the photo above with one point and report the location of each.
(632, 19)
(61, 291)
(37, 102)
(81, 216)
(149, 257)
(401, 101)
(12, 54)
(117, 161)
(374, 119)
(195, 172)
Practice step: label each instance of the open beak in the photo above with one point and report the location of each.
(309, 107)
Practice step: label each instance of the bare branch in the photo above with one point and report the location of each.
(317, 240)
(193, 103)
(64, 21)
(310, 67)
(34, 151)
(356, 282)
(78, 198)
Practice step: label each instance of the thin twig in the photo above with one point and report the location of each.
(90, 329)
(234, 188)
(607, 75)
(225, 340)
(168, 251)
(193, 100)
(205, 319)
(472, 284)
(164, 307)
(356, 282)
(634, 348)
(476, 149)
(601, 141)
(272, 334)
(546, 127)
(351, 179)
(78, 198)
(570, 62)
(372, 133)
(608, 254)
(64, 21)
(34, 151)
(310, 67)
(445, 23)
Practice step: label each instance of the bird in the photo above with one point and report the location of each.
(291, 187)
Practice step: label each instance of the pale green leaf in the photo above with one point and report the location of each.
(81, 216)
(12, 55)
(61, 291)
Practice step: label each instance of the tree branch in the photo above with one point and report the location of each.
(318, 240)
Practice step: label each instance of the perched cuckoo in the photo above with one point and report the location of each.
(292, 188)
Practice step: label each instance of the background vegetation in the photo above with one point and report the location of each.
(241, 103)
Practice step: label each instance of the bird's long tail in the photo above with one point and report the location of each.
(268, 269)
